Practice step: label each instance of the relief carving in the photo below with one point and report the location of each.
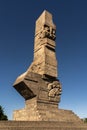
(54, 91)
(48, 32)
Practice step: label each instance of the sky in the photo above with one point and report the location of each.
(17, 26)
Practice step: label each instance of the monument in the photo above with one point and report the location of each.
(41, 88)
(39, 84)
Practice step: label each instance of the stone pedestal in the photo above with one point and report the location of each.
(36, 110)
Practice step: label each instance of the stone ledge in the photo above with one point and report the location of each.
(5, 125)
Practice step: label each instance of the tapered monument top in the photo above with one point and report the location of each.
(44, 19)
(44, 62)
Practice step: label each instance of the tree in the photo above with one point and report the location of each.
(85, 120)
(2, 115)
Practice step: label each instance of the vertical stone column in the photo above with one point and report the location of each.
(45, 62)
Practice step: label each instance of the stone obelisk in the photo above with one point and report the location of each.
(39, 84)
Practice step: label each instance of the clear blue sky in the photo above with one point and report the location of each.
(17, 25)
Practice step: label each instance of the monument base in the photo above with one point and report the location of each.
(36, 110)
(42, 125)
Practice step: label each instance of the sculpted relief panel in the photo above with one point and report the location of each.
(54, 91)
(47, 32)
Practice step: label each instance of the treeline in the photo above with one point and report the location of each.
(3, 116)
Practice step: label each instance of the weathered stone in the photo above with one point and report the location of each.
(40, 110)
(41, 88)
(34, 85)
(43, 70)
(41, 125)
(44, 47)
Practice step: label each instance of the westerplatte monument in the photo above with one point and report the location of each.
(41, 88)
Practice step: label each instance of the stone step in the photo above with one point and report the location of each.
(60, 115)
(41, 125)
(42, 128)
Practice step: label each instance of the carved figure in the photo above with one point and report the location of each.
(48, 32)
(54, 89)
